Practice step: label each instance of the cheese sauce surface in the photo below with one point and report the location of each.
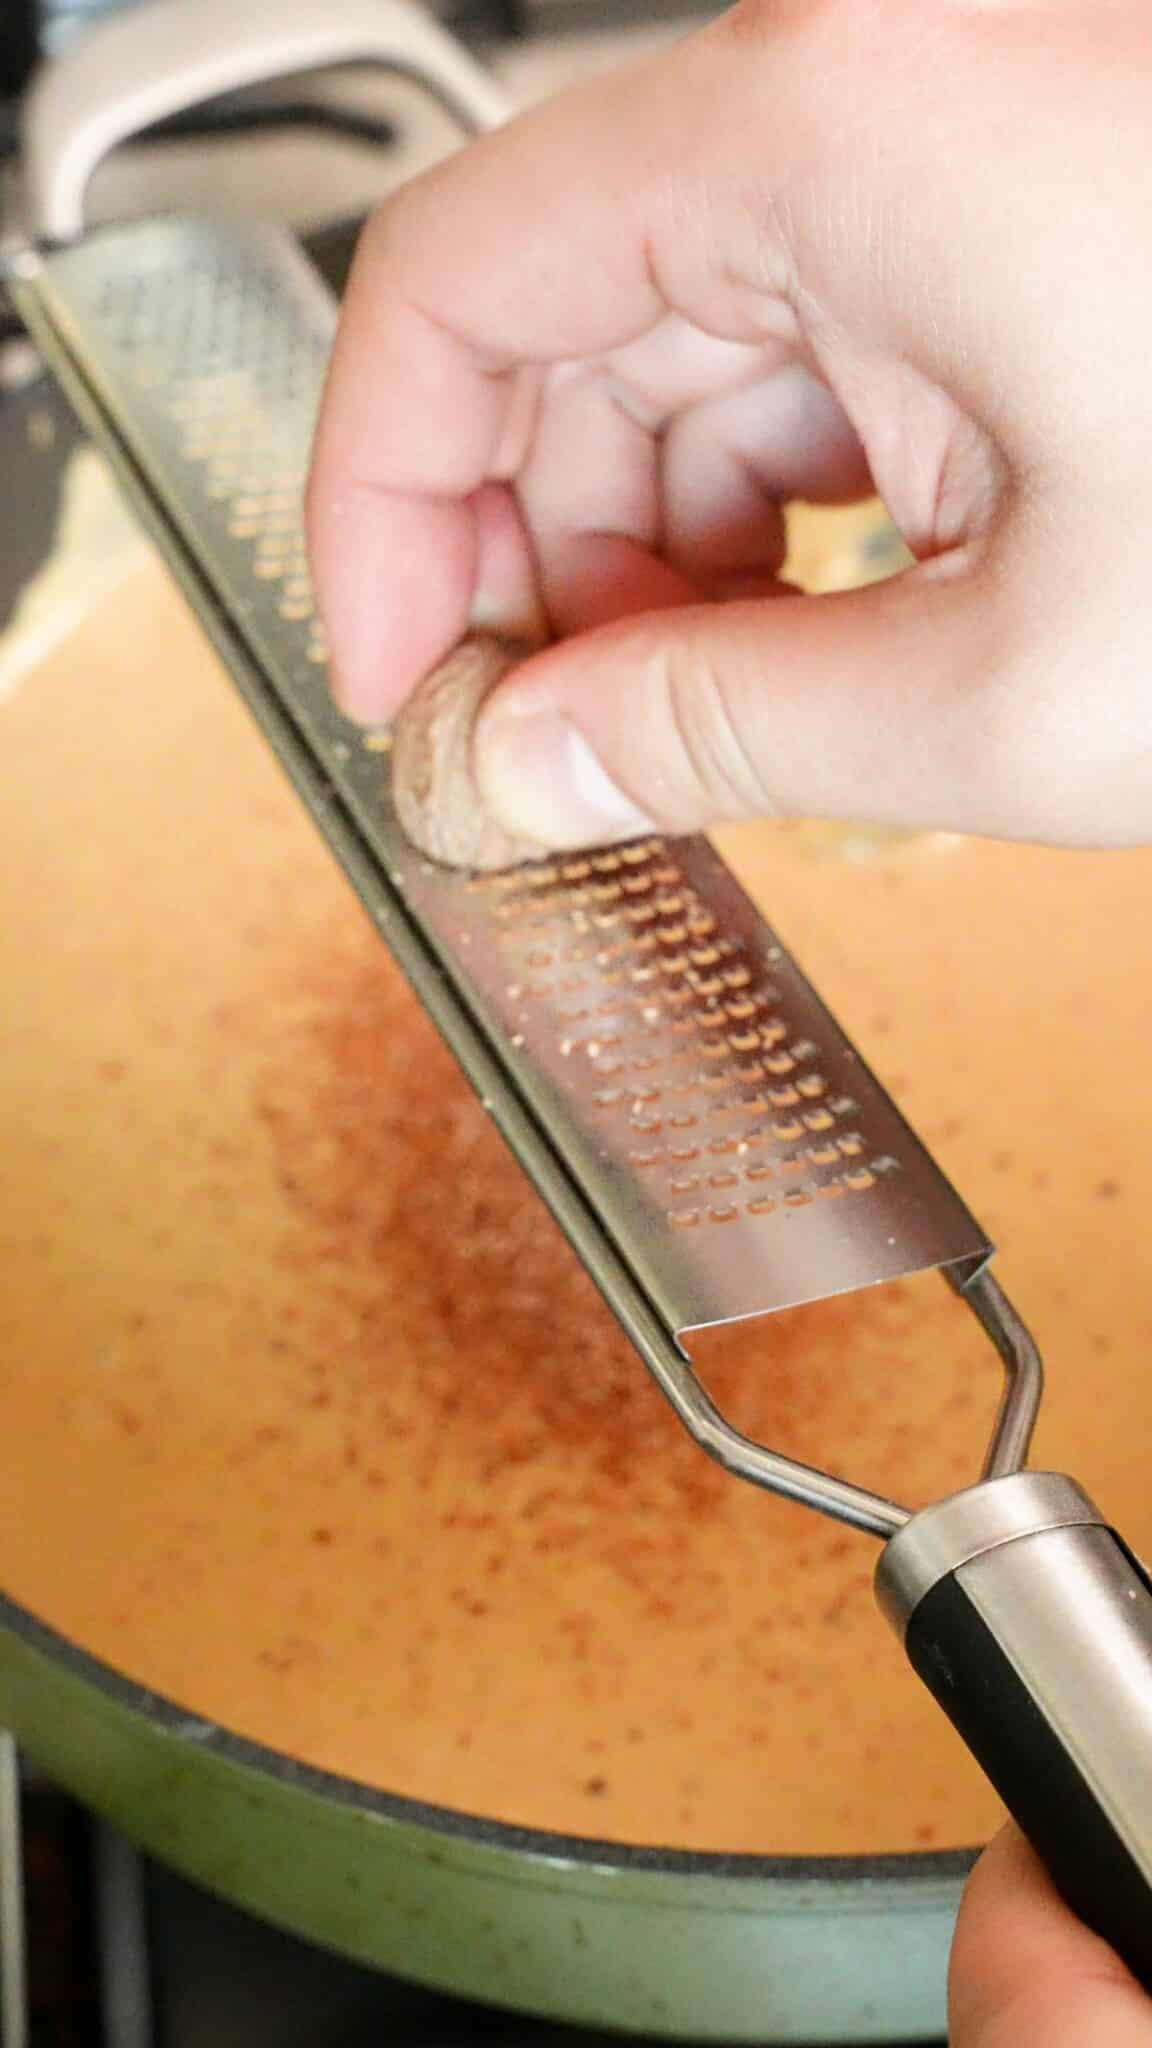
(315, 1425)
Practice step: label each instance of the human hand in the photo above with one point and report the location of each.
(582, 363)
(1027, 1974)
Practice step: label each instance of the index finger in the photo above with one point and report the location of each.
(532, 246)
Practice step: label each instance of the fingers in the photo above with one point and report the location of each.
(879, 704)
(593, 477)
(1026, 1973)
(575, 233)
(730, 462)
(507, 598)
(527, 249)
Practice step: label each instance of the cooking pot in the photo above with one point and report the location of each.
(652, 1939)
(659, 1940)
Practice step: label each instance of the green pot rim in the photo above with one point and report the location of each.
(913, 1867)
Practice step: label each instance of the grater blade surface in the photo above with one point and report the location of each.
(704, 1131)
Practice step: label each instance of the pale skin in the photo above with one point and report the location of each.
(816, 247)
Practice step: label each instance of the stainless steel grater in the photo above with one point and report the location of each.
(707, 1137)
(695, 1117)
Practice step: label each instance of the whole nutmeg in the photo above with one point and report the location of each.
(434, 790)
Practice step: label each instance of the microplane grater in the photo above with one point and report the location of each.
(707, 1136)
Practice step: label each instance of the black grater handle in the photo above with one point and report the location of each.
(1037, 1643)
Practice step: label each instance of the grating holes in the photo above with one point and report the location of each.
(683, 1219)
(694, 1003)
(798, 1198)
(744, 1041)
(723, 1212)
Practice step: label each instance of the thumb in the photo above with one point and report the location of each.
(1026, 1973)
(881, 705)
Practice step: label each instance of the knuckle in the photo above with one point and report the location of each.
(387, 235)
(712, 769)
(400, 232)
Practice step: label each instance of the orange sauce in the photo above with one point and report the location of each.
(313, 1423)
